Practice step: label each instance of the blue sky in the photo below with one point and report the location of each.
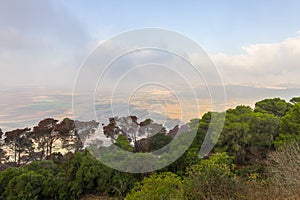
(219, 26)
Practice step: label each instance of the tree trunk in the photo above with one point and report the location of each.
(19, 157)
(51, 144)
(15, 154)
(47, 148)
(50, 152)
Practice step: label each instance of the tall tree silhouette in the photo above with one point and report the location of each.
(2, 151)
(45, 135)
(18, 141)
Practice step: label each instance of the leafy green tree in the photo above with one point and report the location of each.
(264, 128)
(121, 183)
(158, 141)
(6, 176)
(191, 155)
(275, 106)
(235, 136)
(25, 186)
(295, 100)
(211, 178)
(123, 143)
(289, 126)
(247, 135)
(83, 174)
(158, 186)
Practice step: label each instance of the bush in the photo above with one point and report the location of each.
(6, 176)
(25, 186)
(212, 179)
(158, 186)
(284, 168)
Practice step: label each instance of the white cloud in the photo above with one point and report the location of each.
(41, 44)
(270, 64)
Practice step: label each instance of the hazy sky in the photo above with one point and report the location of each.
(43, 43)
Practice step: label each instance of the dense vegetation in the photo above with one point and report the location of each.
(256, 157)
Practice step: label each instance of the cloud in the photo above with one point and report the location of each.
(34, 18)
(270, 64)
(41, 43)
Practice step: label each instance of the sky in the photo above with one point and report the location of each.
(253, 44)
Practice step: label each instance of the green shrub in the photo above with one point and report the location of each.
(6, 176)
(212, 179)
(28, 185)
(158, 186)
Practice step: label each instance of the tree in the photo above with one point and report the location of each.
(158, 186)
(45, 134)
(25, 186)
(290, 126)
(295, 100)
(68, 135)
(234, 138)
(18, 141)
(154, 136)
(121, 183)
(83, 174)
(276, 106)
(264, 128)
(211, 178)
(123, 143)
(153, 143)
(6, 176)
(2, 151)
(82, 131)
(247, 135)
(158, 141)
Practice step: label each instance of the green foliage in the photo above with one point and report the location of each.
(121, 183)
(284, 139)
(211, 179)
(6, 176)
(264, 128)
(289, 127)
(295, 100)
(158, 141)
(276, 106)
(158, 186)
(80, 174)
(25, 186)
(180, 156)
(290, 123)
(247, 135)
(123, 143)
(42, 167)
